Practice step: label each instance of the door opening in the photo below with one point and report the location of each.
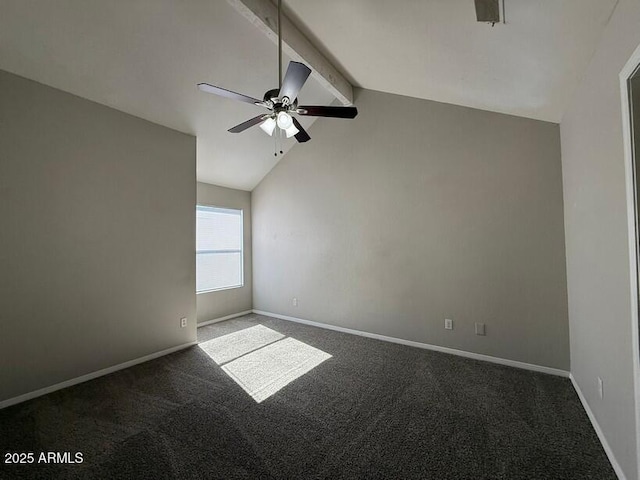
(630, 96)
(633, 87)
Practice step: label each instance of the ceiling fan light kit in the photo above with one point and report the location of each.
(284, 120)
(268, 126)
(282, 102)
(291, 131)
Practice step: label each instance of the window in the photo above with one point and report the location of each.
(218, 248)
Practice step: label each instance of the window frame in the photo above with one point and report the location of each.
(241, 251)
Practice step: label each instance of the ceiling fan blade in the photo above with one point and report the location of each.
(302, 135)
(297, 74)
(248, 124)
(336, 112)
(205, 87)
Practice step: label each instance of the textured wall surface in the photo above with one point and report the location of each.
(97, 237)
(597, 237)
(418, 211)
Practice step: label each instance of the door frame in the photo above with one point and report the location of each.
(632, 191)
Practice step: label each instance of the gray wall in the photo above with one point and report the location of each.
(219, 304)
(414, 212)
(596, 237)
(96, 240)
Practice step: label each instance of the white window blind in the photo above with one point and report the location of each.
(218, 248)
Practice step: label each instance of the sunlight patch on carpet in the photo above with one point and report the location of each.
(265, 371)
(228, 347)
(262, 361)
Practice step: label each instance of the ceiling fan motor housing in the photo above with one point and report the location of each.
(271, 98)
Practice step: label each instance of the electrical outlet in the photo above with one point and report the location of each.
(183, 322)
(295, 302)
(600, 388)
(448, 324)
(480, 328)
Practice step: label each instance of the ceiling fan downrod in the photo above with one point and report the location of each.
(279, 44)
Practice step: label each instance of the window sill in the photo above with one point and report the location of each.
(219, 289)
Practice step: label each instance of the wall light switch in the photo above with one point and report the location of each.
(480, 328)
(448, 324)
(183, 322)
(295, 302)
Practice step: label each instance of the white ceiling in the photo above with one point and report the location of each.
(435, 49)
(145, 57)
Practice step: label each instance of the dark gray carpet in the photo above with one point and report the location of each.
(374, 410)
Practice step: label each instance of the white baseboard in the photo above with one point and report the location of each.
(91, 376)
(599, 432)
(426, 346)
(222, 319)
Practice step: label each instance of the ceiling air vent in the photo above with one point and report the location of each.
(488, 11)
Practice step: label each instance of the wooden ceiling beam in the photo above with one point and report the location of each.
(264, 15)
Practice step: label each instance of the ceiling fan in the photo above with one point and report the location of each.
(282, 102)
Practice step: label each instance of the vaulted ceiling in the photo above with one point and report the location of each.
(435, 49)
(145, 57)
